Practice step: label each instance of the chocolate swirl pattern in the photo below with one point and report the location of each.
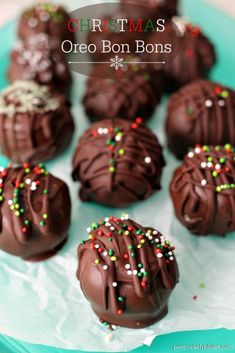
(34, 212)
(203, 190)
(202, 112)
(35, 122)
(118, 162)
(135, 272)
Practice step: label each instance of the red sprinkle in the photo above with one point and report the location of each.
(130, 228)
(100, 233)
(134, 126)
(120, 312)
(139, 120)
(144, 284)
(24, 229)
(126, 256)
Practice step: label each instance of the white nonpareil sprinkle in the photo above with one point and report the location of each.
(105, 267)
(147, 160)
(88, 229)
(171, 258)
(203, 165)
(114, 284)
(28, 181)
(105, 253)
(203, 182)
(155, 232)
(142, 270)
(159, 255)
(217, 166)
(97, 246)
(129, 272)
(197, 150)
(208, 103)
(135, 272)
(190, 154)
(106, 219)
(221, 103)
(127, 266)
(10, 202)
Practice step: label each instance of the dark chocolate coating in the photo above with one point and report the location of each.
(35, 122)
(117, 163)
(39, 59)
(126, 94)
(202, 112)
(192, 55)
(127, 280)
(35, 212)
(153, 8)
(45, 18)
(203, 190)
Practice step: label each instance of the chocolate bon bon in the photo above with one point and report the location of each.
(35, 212)
(35, 122)
(127, 272)
(118, 162)
(203, 113)
(203, 190)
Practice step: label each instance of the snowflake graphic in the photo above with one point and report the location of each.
(116, 62)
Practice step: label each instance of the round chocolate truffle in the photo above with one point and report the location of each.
(203, 190)
(117, 163)
(35, 212)
(127, 272)
(153, 8)
(192, 53)
(35, 122)
(44, 17)
(202, 112)
(127, 94)
(39, 59)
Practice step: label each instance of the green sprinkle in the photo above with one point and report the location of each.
(120, 299)
(42, 223)
(110, 252)
(130, 247)
(140, 265)
(45, 191)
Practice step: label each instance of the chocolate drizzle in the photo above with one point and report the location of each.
(202, 112)
(118, 162)
(203, 190)
(35, 122)
(127, 94)
(27, 203)
(127, 254)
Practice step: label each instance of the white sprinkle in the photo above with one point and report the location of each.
(1, 181)
(159, 255)
(142, 270)
(112, 228)
(190, 154)
(217, 166)
(147, 160)
(171, 258)
(44, 17)
(150, 237)
(208, 103)
(97, 246)
(105, 130)
(107, 224)
(10, 202)
(170, 253)
(33, 187)
(106, 219)
(32, 22)
(105, 253)
(127, 266)
(28, 181)
(203, 182)
(135, 272)
(129, 272)
(100, 131)
(114, 284)
(157, 240)
(155, 232)
(88, 229)
(1, 169)
(105, 267)
(203, 165)
(221, 103)
(197, 150)
(118, 137)
(209, 164)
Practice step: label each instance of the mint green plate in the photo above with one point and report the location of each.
(220, 29)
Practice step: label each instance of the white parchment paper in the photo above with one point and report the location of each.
(42, 303)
